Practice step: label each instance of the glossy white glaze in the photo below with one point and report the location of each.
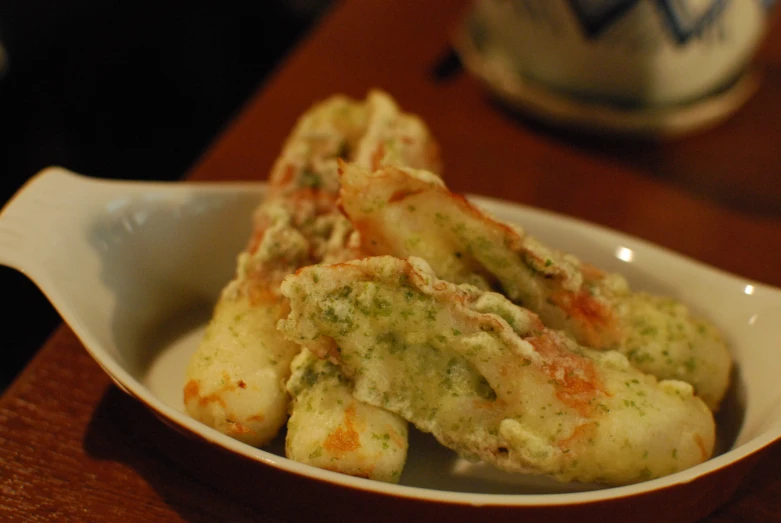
(134, 269)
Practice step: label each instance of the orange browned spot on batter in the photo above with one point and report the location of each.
(340, 165)
(596, 325)
(211, 398)
(591, 273)
(326, 348)
(402, 194)
(703, 448)
(377, 156)
(574, 376)
(191, 391)
(257, 417)
(256, 238)
(259, 293)
(288, 173)
(397, 438)
(581, 433)
(238, 428)
(345, 438)
(460, 298)
(242, 385)
(496, 405)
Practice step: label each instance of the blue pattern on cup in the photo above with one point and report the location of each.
(685, 19)
(596, 16)
(685, 22)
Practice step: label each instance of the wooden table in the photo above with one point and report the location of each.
(72, 446)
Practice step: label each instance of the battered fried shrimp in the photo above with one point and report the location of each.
(405, 212)
(330, 429)
(488, 380)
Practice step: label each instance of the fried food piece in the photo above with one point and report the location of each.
(230, 384)
(372, 133)
(236, 378)
(405, 212)
(488, 380)
(395, 138)
(330, 429)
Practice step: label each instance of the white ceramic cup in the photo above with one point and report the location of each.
(633, 52)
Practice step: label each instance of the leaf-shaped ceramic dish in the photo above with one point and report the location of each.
(134, 269)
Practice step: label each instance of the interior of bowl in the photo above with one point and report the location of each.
(163, 261)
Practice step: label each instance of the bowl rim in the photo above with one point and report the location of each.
(134, 387)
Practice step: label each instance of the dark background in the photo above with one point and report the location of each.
(130, 90)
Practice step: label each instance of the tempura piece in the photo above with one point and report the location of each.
(331, 430)
(395, 138)
(488, 380)
(390, 138)
(405, 212)
(236, 378)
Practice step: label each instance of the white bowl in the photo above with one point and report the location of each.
(134, 269)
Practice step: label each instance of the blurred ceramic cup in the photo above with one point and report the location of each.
(641, 54)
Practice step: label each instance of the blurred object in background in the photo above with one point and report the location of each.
(655, 68)
(122, 90)
(3, 58)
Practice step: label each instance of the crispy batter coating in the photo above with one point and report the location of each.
(406, 212)
(330, 429)
(236, 378)
(489, 380)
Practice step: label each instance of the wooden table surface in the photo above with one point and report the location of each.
(73, 447)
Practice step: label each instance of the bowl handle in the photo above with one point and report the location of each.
(30, 220)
